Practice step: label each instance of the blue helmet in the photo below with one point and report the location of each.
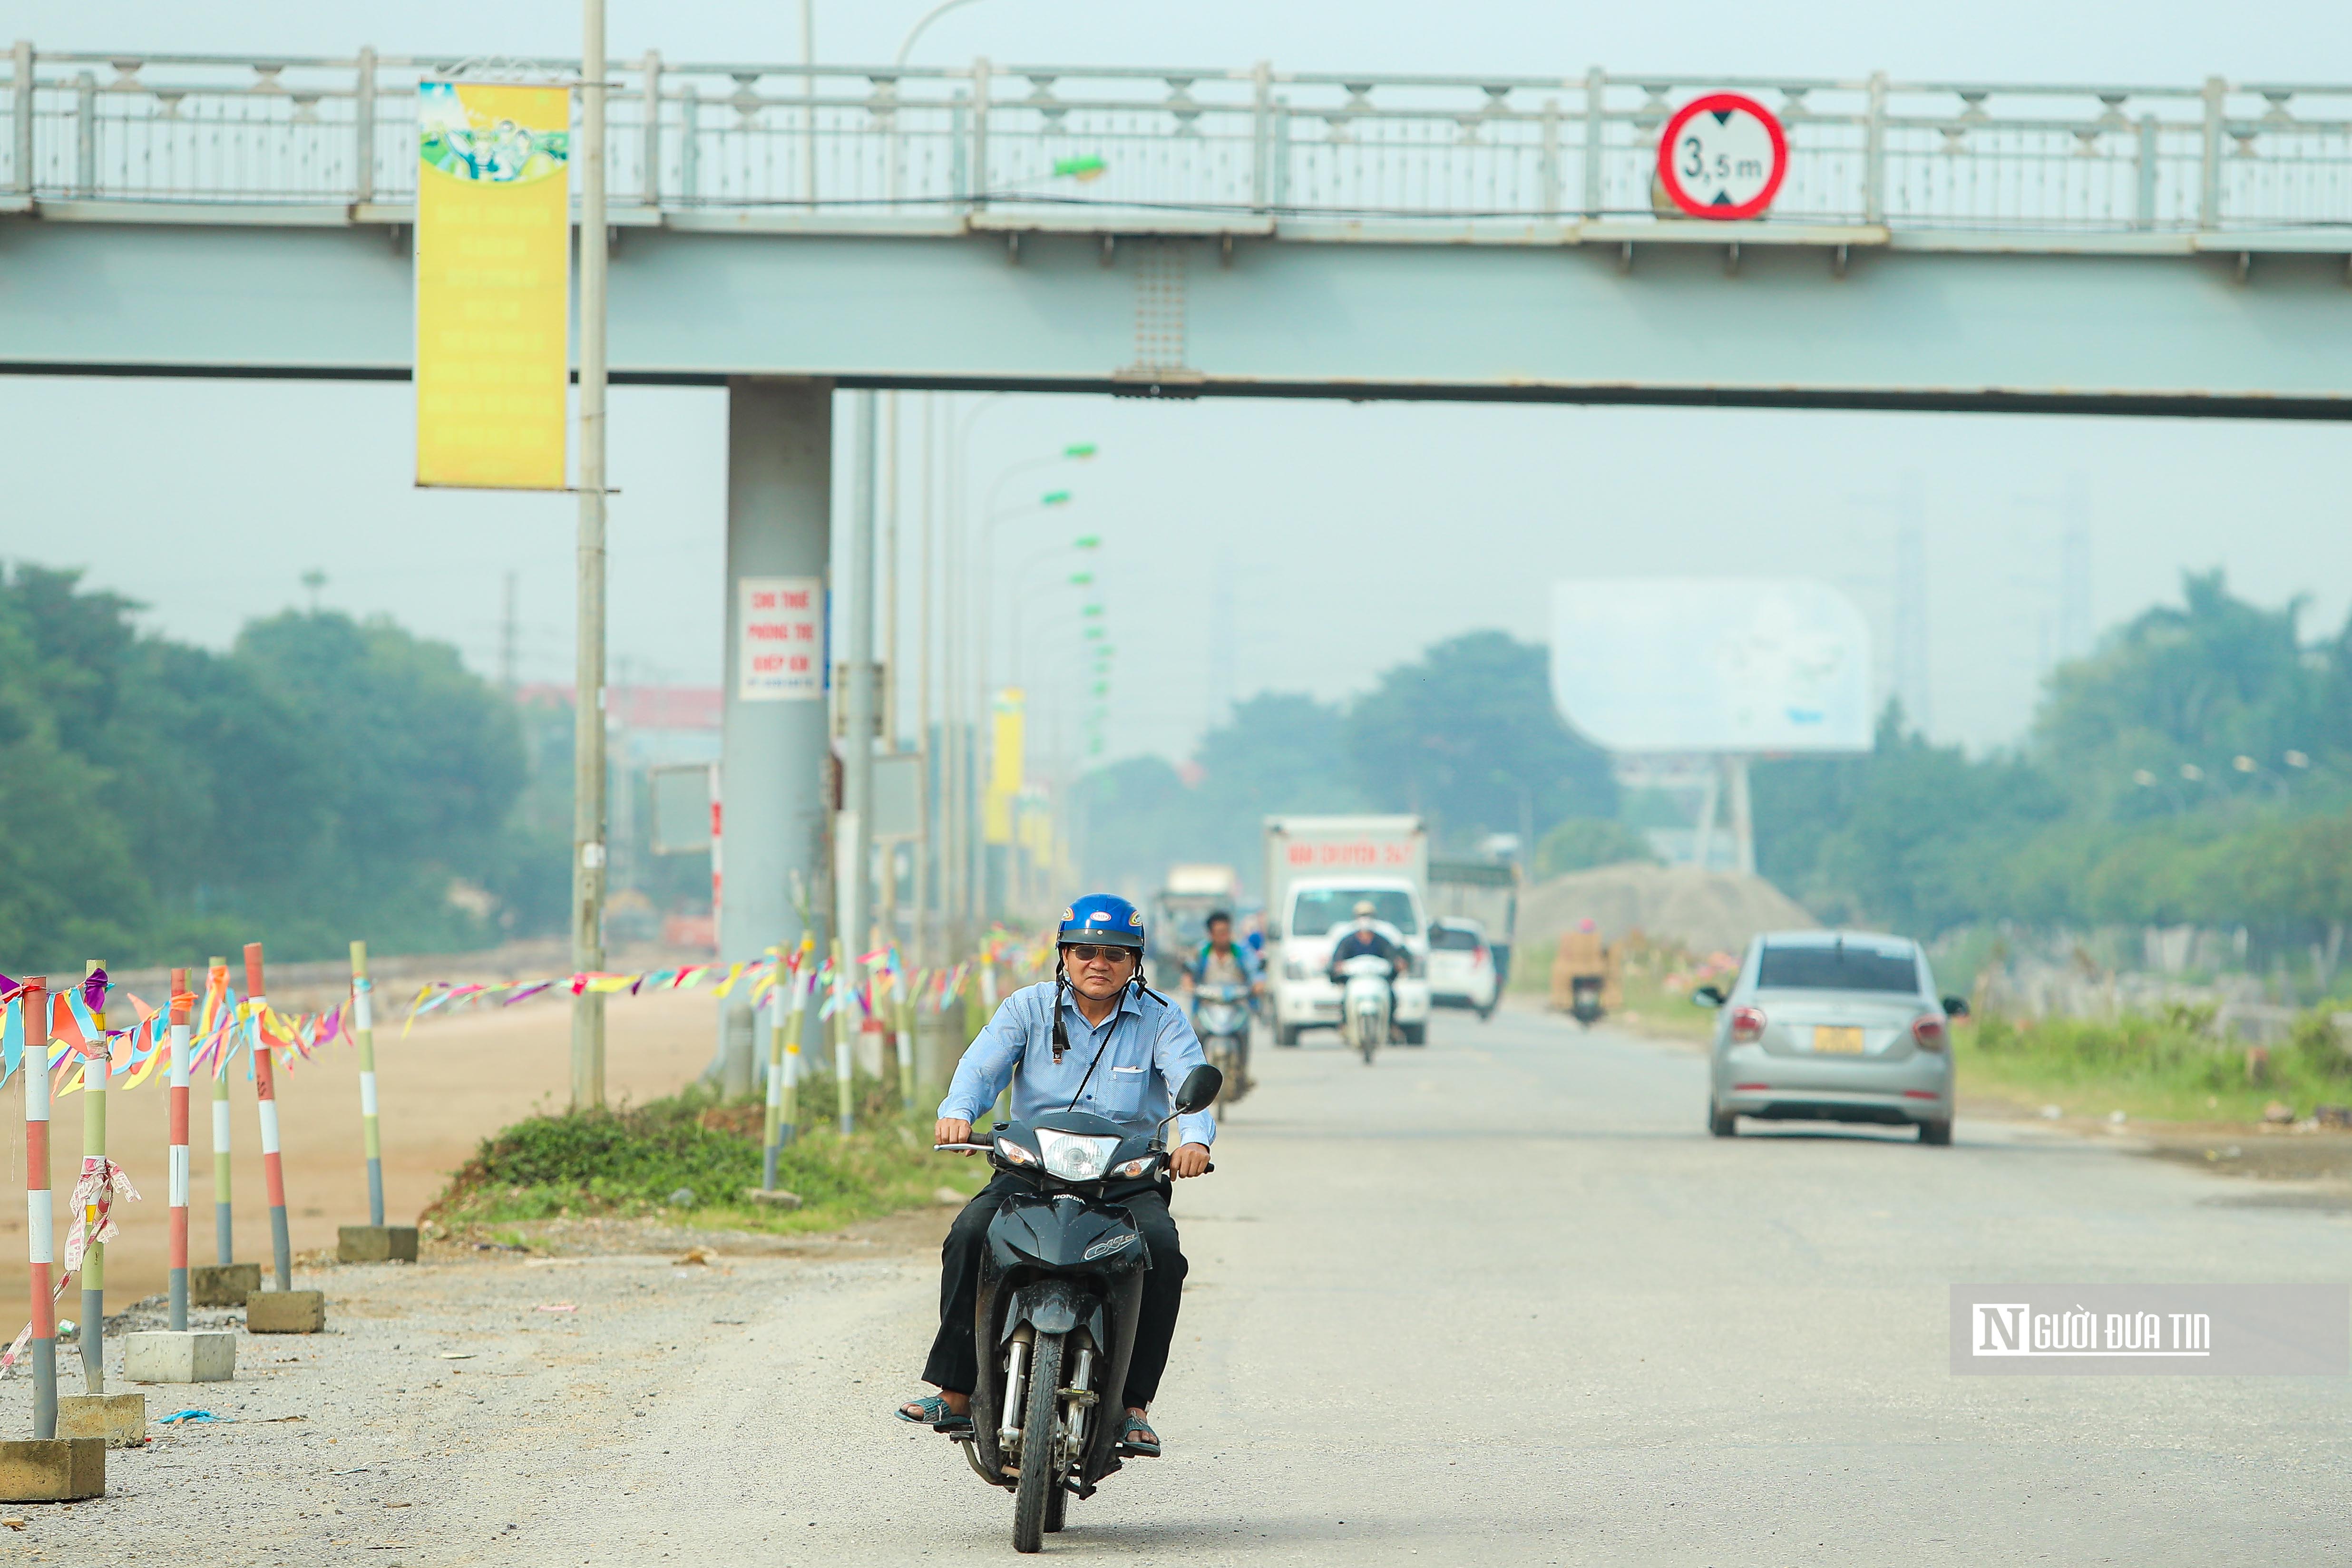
(1102, 918)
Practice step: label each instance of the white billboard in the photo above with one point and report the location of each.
(1726, 664)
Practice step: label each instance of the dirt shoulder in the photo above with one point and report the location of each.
(453, 1404)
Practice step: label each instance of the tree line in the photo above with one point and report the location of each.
(2195, 767)
(323, 779)
(1465, 736)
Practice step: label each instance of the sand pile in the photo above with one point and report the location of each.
(1704, 911)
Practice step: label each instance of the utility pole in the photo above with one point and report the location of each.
(951, 676)
(588, 677)
(925, 743)
(855, 835)
(889, 673)
(890, 687)
(808, 94)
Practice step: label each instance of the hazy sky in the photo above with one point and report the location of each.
(1313, 509)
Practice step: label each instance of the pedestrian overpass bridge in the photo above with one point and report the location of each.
(784, 231)
(2176, 250)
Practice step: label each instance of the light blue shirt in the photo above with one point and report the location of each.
(1148, 1046)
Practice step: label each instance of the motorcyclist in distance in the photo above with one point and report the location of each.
(1221, 961)
(1369, 939)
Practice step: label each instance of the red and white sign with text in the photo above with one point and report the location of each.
(1390, 855)
(1723, 156)
(781, 654)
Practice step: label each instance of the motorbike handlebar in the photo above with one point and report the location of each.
(991, 1148)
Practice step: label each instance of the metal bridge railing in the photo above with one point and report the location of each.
(917, 145)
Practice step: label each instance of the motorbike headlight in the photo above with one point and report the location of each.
(1074, 1157)
(1014, 1154)
(1136, 1167)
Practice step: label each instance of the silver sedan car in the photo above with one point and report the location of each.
(1832, 1025)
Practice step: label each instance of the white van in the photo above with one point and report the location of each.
(1315, 912)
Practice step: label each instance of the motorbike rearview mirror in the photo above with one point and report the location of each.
(1707, 997)
(1956, 1007)
(1199, 1090)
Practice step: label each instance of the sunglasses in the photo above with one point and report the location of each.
(1082, 953)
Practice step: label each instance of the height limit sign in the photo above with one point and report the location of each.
(1723, 156)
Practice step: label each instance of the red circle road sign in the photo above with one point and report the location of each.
(1723, 156)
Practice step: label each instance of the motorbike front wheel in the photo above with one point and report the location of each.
(1040, 1446)
(1227, 1058)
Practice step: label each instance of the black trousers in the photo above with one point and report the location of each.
(954, 1364)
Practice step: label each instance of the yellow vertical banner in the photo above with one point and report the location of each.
(1006, 765)
(493, 284)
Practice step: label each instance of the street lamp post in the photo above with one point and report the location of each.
(588, 673)
(1020, 603)
(906, 46)
(929, 16)
(984, 580)
(990, 520)
(962, 856)
(955, 771)
(985, 576)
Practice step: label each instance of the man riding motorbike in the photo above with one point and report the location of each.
(1369, 939)
(1221, 961)
(1120, 1051)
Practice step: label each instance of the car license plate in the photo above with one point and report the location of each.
(1837, 1040)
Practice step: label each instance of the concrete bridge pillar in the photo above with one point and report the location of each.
(773, 817)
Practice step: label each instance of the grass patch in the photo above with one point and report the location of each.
(1653, 1005)
(645, 1161)
(2162, 1067)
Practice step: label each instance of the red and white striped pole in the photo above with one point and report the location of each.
(265, 1087)
(40, 1216)
(181, 1002)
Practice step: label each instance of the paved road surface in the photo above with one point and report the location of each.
(1502, 1301)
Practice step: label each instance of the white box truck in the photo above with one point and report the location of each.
(1317, 869)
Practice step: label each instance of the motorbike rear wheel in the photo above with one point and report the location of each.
(1040, 1433)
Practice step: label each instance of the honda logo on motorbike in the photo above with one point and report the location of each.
(1108, 1245)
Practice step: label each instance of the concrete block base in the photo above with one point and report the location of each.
(376, 1244)
(285, 1312)
(223, 1284)
(52, 1469)
(764, 1199)
(159, 1356)
(118, 1420)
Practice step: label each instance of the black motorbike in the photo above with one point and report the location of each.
(1584, 1000)
(1061, 1283)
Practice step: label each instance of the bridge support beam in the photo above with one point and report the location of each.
(773, 805)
